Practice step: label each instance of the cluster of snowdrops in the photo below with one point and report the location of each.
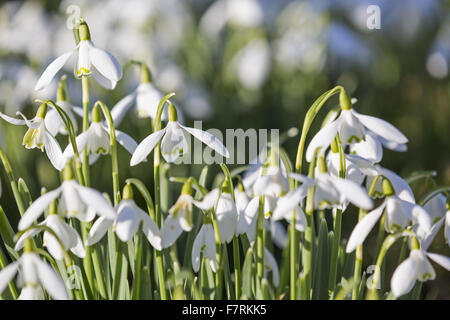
(75, 242)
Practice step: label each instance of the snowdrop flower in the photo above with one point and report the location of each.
(53, 120)
(65, 232)
(271, 184)
(440, 216)
(37, 136)
(91, 60)
(227, 215)
(173, 141)
(35, 274)
(204, 243)
(334, 192)
(96, 139)
(145, 98)
(126, 223)
(416, 267)
(354, 127)
(180, 214)
(74, 201)
(399, 214)
(242, 201)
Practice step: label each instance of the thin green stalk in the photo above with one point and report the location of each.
(158, 215)
(359, 249)
(307, 252)
(335, 251)
(138, 267)
(118, 269)
(85, 102)
(219, 271)
(99, 273)
(12, 182)
(293, 258)
(237, 267)
(372, 294)
(260, 240)
(310, 115)
(380, 237)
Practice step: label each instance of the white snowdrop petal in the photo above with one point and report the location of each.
(7, 274)
(404, 277)
(382, 128)
(17, 122)
(354, 193)
(322, 139)
(98, 230)
(196, 250)
(105, 63)
(127, 222)
(104, 82)
(363, 228)
(150, 230)
(53, 151)
(52, 69)
(146, 146)
(174, 143)
(209, 200)
(94, 199)
(126, 141)
(170, 231)
(208, 139)
(36, 209)
(50, 280)
(120, 109)
(271, 264)
(443, 261)
(81, 141)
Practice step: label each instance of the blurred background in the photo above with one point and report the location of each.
(242, 64)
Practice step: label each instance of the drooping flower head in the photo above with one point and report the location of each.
(90, 61)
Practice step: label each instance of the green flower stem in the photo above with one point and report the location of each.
(310, 115)
(372, 294)
(85, 102)
(99, 273)
(260, 240)
(236, 258)
(359, 249)
(138, 267)
(307, 249)
(335, 251)
(158, 214)
(72, 140)
(219, 271)
(337, 226)
(380, 237)
(120, 248)
(12, 182)
(113, 146)
(237, 267)
(293, 258)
